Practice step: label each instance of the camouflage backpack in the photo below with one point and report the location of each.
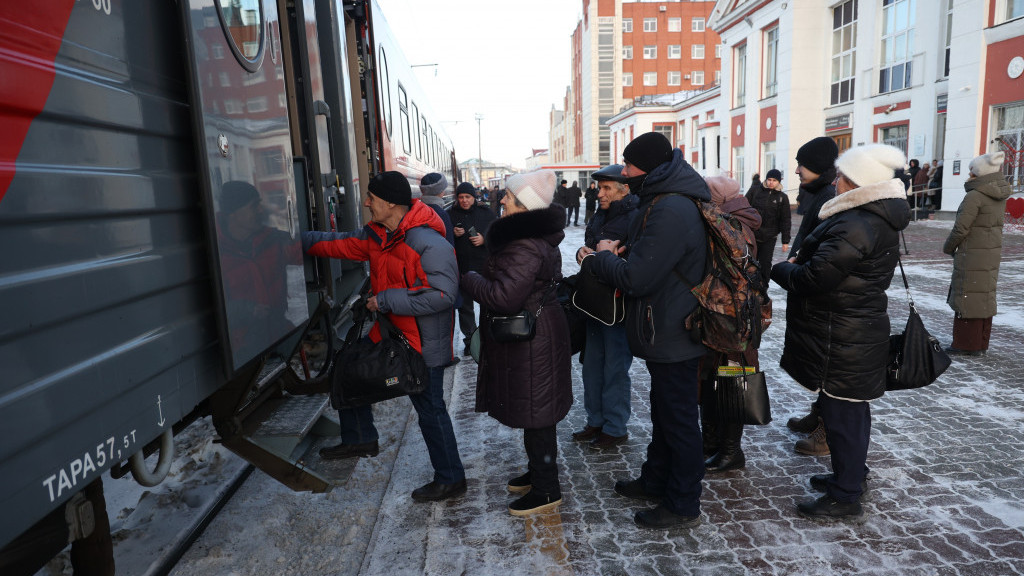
(733, 307)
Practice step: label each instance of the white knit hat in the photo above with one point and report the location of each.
(871, 164)
(535, 190)
(987, 163)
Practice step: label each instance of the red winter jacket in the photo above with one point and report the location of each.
(413, 273)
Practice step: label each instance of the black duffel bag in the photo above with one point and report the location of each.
(365, 372)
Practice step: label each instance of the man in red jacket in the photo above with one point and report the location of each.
(414, 278)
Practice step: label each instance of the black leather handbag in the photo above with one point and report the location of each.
(521, 327)
(365, 372)
(916, 358)
(741, 399)
(597, 299)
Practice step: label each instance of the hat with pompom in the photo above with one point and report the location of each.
(987, 163)
(871, 164)
(534, 190)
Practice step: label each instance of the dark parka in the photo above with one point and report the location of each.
(664, 247)
(523, 384)
(976, 244)
(611, 224)
(837, 323)
(813, 195)
(478, 216)
(776, 218)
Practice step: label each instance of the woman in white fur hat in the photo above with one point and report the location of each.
(837, 320)
(976, 244)
(527, 384)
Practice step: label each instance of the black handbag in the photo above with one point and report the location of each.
(575, 317)
(521, 327)
(741, 399)
(599, 300)
(365, 372)
(916, 358)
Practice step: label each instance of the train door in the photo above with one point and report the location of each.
(240, 118)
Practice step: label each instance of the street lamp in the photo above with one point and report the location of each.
(479, 153)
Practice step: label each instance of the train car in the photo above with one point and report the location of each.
(158, 162)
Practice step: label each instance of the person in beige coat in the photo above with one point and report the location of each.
(976, 243)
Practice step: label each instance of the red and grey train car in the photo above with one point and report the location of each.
(158, 162)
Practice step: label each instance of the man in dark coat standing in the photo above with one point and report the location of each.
(471, 222)
(591, 201)
(773, 205)
(816, 168)
(666, 243)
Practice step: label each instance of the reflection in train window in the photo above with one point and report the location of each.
(242, 21)
(385, 91)
(403, 112)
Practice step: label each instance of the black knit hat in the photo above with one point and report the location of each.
(466, 188)
(392, 187)
(648, 151)
(775, 173)
(818, 155)
(236, 194)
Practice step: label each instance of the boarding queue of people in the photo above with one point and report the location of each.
(645, 237)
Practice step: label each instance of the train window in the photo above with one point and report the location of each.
(403, 112)
(384, 87)
(243, 24)
(423, 142)
(416, 129)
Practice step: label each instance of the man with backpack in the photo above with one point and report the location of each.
(666, 243)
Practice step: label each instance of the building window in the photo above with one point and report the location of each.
(1009, 124)
(650, 24)
(675, 51)
(718, 77)
(225, 79)
(258, 104)
(897, 45)
(697, 78)
(218, 51)
(675, 78)
(949, 35)
(281, 100)
(767, 156)
(1014, 9)
(895, 136)
(627, 24)
(650, 78)
(697, 51)
(771, 62)
(739, 75)
(627, 52)
(718, 50)
(650, 52)
(844, 51)
(697, 25)
(738, 172)
(675, 24)
(665, 130)
(627, 78)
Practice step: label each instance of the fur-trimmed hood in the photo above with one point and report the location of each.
(547, 224)
(890, 195)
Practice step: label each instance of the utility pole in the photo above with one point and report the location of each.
(479, 148)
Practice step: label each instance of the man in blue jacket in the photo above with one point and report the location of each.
(662, 258)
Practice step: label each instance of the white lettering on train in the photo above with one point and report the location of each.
(76, 472)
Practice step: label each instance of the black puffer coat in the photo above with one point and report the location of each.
(668, 245)
(611, 224)
(814, 196)
(837, 321)
(523, 384)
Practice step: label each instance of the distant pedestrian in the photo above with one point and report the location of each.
(562, 196)
(471, 222)
(527, 384)
(976, 243)
(837, 319)
(776, 218)
(816, 169)
(755, 182)
(722, 439)
(591, 201)
(606, 358)
(432, 188)
(666, 243)
(572, 204)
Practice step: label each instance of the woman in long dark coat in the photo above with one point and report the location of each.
(976, 244)
(528, 384)
(837, 320)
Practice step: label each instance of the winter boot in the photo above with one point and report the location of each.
(730, 454)
(807, 424)
(815, 444)
(709, 433)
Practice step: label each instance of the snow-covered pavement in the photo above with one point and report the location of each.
(945, 491)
